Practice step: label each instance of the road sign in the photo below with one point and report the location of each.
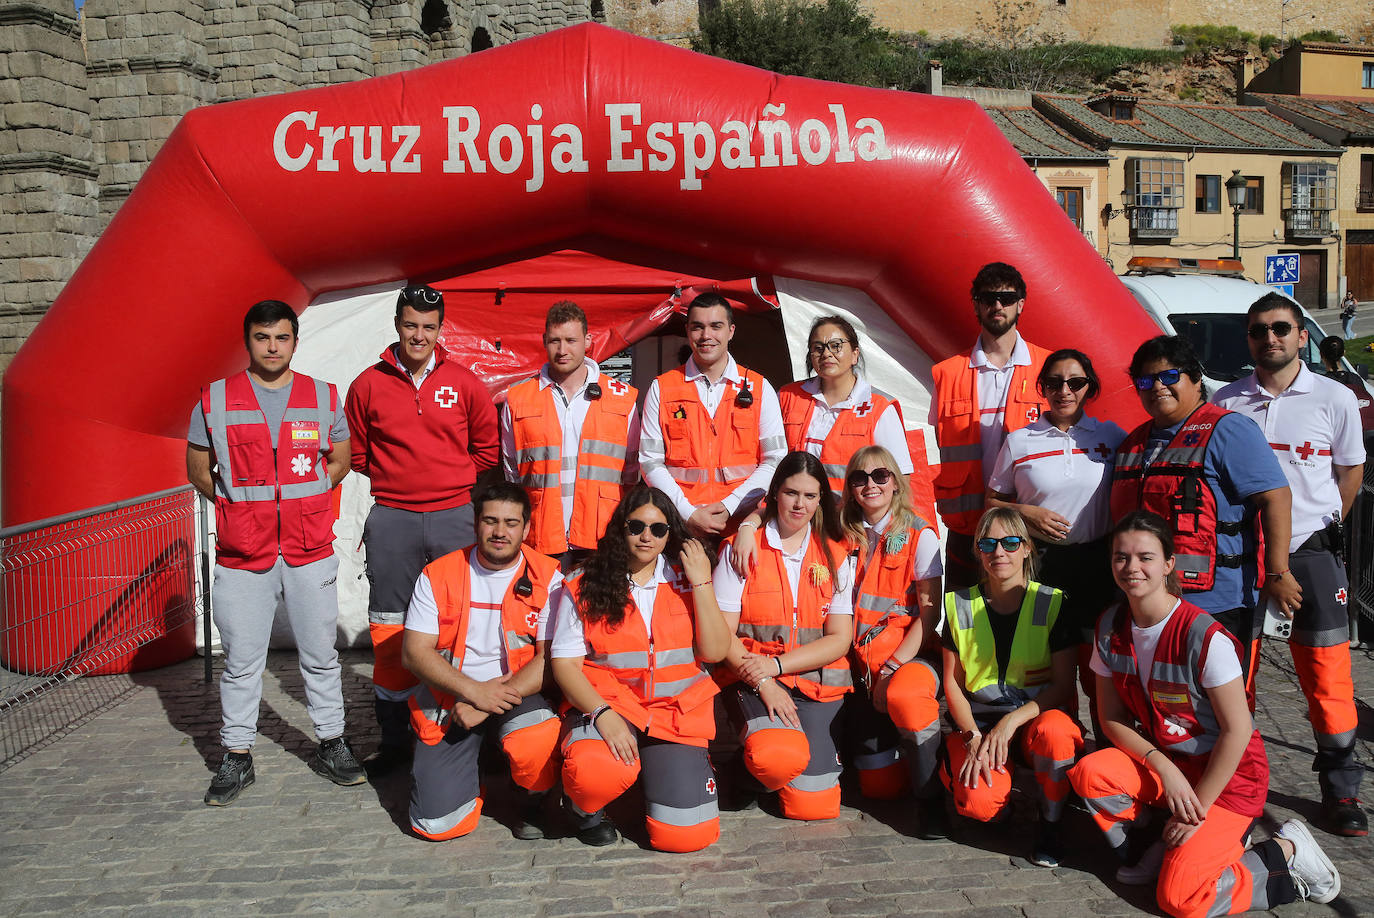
(1281, 269)
(1285, 289)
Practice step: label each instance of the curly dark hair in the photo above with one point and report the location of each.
(825, 525)
(604, 591)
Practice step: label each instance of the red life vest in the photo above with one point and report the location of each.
(709, 456)
(1171, 704)
(653, 681)
(1175, 486)
(853, 428)
(600, 460)
(450, 578)
(270, 501)
(881, 616)
(771, 623)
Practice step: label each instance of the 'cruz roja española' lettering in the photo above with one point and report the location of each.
(689, 148)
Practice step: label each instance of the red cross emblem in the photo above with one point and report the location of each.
(446, 397)
(863, 409)
(711, 786)
(532, 619)
(1305, 451)
(1101, 450)
(1341, 596)
(618, 387)
(1032, 414)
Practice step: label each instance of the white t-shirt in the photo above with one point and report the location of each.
(1069, 472)
(569, 638)
(887, 433)
(926, 562)
(484, 655)
(1222, 663)
(1310, 426)
(729, 586)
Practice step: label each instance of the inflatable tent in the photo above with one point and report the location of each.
(654, 169)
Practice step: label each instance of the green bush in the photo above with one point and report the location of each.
(1321, 35)
(1197, 39)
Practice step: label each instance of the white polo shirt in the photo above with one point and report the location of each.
(889, 433)
(730, 586)
(1067, 471)
(1311, 426)
(568, 638)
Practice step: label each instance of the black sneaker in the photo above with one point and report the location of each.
(336, 762)
(235, 773)
(931, 819)
(1345, 817)
(530, 826)
(599, 835)
(1049, 845)
(387, 758)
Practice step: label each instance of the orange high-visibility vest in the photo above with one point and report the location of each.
(653, 681)
(709, 457)
(853, 428)
(600, 459)
(770, 623)
(959, 486)
(271, 501)
(881, 616)
(450, 579)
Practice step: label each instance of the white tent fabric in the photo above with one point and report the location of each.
(342, 333)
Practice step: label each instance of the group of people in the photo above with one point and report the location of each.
(766, 547)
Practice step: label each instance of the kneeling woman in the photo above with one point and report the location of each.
(630, 636)
(793, 620)
(1198, 752)
(1009, 664)
(896, 654)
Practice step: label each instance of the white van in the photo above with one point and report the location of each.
(1205, 301)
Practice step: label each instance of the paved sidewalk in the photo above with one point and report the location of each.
(107, 819)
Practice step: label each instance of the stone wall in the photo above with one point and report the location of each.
(86, 101)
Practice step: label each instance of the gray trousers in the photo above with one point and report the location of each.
(245, 602)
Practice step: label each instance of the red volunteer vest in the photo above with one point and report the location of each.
(653, 681)
(600, 461)
(881, 616)
(450, 579)
(853, 428)
(1172, 706)
(270, 501)
(709, 457)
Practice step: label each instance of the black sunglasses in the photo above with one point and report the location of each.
(1259, 331)
(1167, 377)
(1008, 543)
(420, 293)
(1055, 383)
(858, 478)
(657, 530)
(1005, 297)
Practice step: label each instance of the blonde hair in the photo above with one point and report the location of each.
(1014, 524)
(852, 515)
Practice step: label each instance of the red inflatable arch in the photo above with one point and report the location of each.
(583, 138)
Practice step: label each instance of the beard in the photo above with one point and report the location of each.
(1001, 326)
(1273, 362)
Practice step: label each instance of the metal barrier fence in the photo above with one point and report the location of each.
(84, 592)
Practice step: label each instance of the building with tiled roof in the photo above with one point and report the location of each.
(1166, 183)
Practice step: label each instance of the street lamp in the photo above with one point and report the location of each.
(1235, 194)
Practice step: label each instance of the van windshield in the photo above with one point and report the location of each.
(1219, 339)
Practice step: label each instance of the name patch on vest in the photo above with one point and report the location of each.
(305, 433)
(1169, 697)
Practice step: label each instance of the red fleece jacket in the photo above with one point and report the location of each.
(422, 447)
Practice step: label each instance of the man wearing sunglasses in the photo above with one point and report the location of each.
(980, 396)
(1313, 426)
(473, 636)
(713, 430)
(570, 436)
(423, 428)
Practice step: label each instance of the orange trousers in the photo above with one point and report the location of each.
(1050, 743)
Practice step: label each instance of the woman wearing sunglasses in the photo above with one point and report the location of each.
(630, 637)
(1208, 472)
(1057, 473)
(1196, 751)
(793, 622)
(895, 712)
(1009, 660)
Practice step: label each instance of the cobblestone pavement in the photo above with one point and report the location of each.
(107, 818)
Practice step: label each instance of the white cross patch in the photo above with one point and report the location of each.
(616, 386)
(446, 397)
(301, 465)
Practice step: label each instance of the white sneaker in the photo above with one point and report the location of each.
(1144, 871)
(1312, 871)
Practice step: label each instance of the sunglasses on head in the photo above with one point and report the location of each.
(1259, 331)
(1009, 543)
(1005, 297)
(834, 346)
(858, 478)
(1167, 377)
(1074, 383)
(419, 293)
(635, 527)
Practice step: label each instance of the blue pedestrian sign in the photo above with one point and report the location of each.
(1281, 269)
